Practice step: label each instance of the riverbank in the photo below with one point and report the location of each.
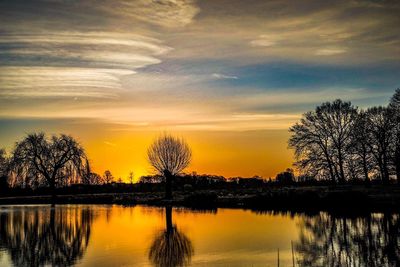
(342, 198)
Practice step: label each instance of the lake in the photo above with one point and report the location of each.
(112, 235)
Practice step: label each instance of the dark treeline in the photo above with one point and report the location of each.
(38, 161)
(339, 142)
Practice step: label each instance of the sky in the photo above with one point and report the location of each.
(230, 77)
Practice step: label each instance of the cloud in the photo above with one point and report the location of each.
(40, 56)
(223, 76)
(109, 143)
(56, 64)
(165, 13)
(44, 82)
(330, 51)
(263, 40)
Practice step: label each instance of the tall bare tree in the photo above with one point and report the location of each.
(394, 106)
(380, 127)
(131, 177)
(4, 168)
(169, 156)
(108, 177)
(360, 147)
(38, 160)
(322, 139)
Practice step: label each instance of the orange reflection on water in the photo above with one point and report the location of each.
(104, 235)
(123, 236)
(130, 236)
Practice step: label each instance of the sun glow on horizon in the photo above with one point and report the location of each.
(229, 78)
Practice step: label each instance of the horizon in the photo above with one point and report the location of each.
(227, 76)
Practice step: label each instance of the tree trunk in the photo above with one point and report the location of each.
(365, 167)
(381, 166)
(398, 171)
(168, 184)
(53, 191)
(329, 165)
(168, 218)
(385, 169)
(397, 163)
(342, 176)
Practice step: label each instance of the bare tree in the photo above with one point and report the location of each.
(321, 139)
(169, 156)
(4, 168)
(38, 160)
(108, 177)
(89, 177)
(131, 177)
(394, 106)
(360, 146)
(339, 140)
(380, 127)
(312, 147)
(339, 118)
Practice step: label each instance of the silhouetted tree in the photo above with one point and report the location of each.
(337, 141)
(380, 128)
(170, 248)
(169, 156)
(394, 106)
(360, 146)
(321, 140)
(286, 177)
(108, 177)
(37, 160)
(131, 177)
(95, 179)
(90, 177)
(4, 169)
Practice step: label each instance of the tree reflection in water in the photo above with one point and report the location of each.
(170, 247)
(56, 236)
(331, 241)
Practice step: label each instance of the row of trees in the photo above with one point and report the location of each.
(39, 161)
(340, 142)
(58, 161)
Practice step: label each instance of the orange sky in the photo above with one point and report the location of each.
(229, 154)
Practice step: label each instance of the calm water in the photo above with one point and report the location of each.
(90, 235)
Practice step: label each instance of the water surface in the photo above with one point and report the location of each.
(101, 235)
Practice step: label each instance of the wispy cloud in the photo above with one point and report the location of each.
(81, 64)
(264, 40)
(224, 76)
(330, 51)
(109, 143)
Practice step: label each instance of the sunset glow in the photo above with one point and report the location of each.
(228, 76)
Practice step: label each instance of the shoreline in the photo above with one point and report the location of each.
(352, 199)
